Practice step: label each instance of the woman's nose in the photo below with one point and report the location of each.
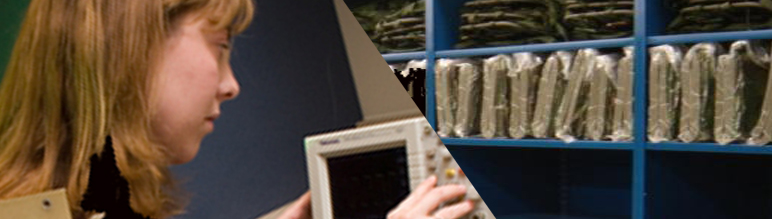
(229, 87)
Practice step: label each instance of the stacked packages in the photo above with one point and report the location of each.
(598, 19)
(720, 15)
(512, 22)
(565, 95)
(709, 94)
(394, 26)
(505, 22)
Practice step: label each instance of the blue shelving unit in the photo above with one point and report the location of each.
(540, 178)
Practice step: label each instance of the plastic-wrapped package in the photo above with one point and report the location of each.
(664, 92)
(446, 90)
(552, 84)
(495, 107)
(524, 78)
(622, 122)
(697, 78)
(572, 112)
(762, 132)
(469, 86)
(602, 92)
(740, 80)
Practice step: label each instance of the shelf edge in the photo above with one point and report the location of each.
(538, 143)
(606, 43)
(709, 148)
(396, 57)
(710, 37)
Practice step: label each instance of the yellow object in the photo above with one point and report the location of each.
(450, 172)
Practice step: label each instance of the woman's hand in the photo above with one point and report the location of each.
(424, 200)
(301, 209)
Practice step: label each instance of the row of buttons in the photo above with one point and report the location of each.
(444, 153)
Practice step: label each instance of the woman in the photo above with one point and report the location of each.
(101, 97)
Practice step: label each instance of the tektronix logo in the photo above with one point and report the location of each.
(326, 142)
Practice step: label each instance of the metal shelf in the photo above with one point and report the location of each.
(538, 143)
(710, 37)
(397, 57)
(573, 45)
(710, 148)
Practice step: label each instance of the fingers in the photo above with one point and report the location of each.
(303, 202)
(305, 199)
(434, 198)
(425, 186)
(456, 210)
(301, 209)
(417, 194)
(426, 198)
(303, 206)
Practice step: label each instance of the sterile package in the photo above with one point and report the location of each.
(524, 78)
(446, 80)
(664, 89)
(602, 92)
(446, 89)
(697, 78)
(469, 87)
(495, 107)
(762, 132)
(573, 110)
(740, 80)
(622, 121)
(552, 84)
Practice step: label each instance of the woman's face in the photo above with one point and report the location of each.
(195, 78)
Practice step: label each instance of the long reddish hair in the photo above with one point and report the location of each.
(81, 70)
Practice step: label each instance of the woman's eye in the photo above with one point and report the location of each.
(225, 46)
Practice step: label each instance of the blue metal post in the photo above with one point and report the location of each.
(430, 97)
(639, 113)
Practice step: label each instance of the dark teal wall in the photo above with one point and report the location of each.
(11, 14)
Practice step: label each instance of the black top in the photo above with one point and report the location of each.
(107, 190)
